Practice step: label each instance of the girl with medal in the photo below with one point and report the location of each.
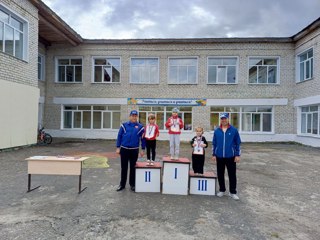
(174, 124)
(151, 133)
(199, 143)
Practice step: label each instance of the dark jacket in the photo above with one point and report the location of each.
(130, 134)
(226, 144)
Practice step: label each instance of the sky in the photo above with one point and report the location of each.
(145, 19)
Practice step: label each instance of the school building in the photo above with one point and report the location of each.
(81, 88)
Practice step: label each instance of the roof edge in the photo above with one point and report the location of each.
(53, 18)
(308, 29)
(190, 40)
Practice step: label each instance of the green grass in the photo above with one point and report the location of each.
(96, 162)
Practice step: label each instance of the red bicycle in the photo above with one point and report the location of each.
(43, 137)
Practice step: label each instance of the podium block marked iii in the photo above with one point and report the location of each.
(203, 185)
(175, 176)
(148, 178)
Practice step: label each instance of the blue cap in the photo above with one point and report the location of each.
(134, 112)
(175, 110)
(224, 115)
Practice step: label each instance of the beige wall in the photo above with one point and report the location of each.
(19, 93)
(19, 114)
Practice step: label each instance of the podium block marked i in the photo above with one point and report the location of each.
(175, 179)
(148, 178)
(203, 185)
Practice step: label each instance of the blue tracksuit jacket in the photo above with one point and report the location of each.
(130, 134)
(226, 144)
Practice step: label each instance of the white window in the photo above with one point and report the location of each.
(246, 118)
(234, 116)
(163, 113)
(263, 70)
(144, 70)
(41, 66)
(69, 70)
(222, 70)
(13, 34)
(106, 69)
(305, 65)
(310, 120)
(91, 117)
(183, 70)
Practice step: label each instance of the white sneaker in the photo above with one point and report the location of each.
(221, 194)
(234, 196)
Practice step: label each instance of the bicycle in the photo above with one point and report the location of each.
(43, 137)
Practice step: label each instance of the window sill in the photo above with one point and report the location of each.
(144, 83)
(105, 82)
(265, 84)
(222, 83)
(307, 80)
(69, 82)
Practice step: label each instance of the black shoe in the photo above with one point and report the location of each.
(133, 188)
(120, 188)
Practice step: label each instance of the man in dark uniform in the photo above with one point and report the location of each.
(128, 142)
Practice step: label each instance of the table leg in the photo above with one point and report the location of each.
(29, 184)
(80, 191)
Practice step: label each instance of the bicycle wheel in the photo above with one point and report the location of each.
(47, 138)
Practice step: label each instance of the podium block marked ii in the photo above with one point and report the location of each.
(175, 179)
(148, 178)
(203, 185)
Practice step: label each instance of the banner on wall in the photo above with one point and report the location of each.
(168, 101)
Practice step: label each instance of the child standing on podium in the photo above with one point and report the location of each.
(199, 143)
(151, 133)
(174, 124)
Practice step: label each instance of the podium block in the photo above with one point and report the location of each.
(148, 178)
(175, 179)
(203, 185)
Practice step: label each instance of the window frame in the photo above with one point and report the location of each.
(167, 112)
(105, 58)
(183, 57)
(24, 31)
(42, 67)
(223, 57)
(264, 58)
(92, 111)
(145, 58)
(298, 69)
(57, 58)
(240, 120)
(310, 113)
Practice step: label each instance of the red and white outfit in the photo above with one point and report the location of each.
(150, 134)
(174, 124)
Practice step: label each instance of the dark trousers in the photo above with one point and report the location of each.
(151, 146)
(197, 163)
(222, 163)
(128, 156)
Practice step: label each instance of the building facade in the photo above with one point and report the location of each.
(19, 93)
(270, 86)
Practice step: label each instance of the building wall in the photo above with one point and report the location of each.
(310, 87)
(284, 114)
(307, 93)
(19, 84)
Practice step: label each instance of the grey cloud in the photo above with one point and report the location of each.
(250, 18)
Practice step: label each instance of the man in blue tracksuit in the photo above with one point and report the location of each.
(226, 152)
(128, 141)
